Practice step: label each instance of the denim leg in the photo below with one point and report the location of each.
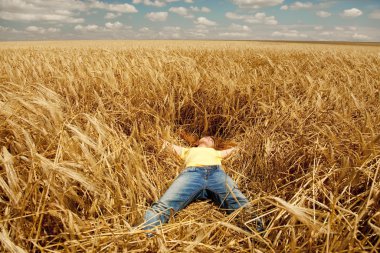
(186, 187)
(226, 193)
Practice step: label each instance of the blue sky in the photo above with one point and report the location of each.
(190, 19)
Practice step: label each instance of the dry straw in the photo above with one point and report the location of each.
(80, 144)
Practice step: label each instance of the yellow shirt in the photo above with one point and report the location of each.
(201, 156)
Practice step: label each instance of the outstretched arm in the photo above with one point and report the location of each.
(172, 147)
(228, 152)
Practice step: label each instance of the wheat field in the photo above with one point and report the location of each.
(81, 157)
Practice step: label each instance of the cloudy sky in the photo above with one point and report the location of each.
(342, 20)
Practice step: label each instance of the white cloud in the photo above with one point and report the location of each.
(55, 6)
(39, 16)
(200, 31)
(185, 12)
(172, 28)
(339, 28)
(202, 9)
(289, 34)
(348, 33)
(149, 3)
(144, 29)
(155, 3)
(111, 15)
(87, 28)
(323, 14)
(176, 35)
(301, 5)
(375, 14)
(196, 34)
(41, 30)
(204, 21)
(34, 29)
(55, 10)
(256, 4)
(318, 27)
(360, 37)
(53, 30)
(171, 32)
(233, 15)
(8, 30)
(179, 10)
(258, 18)
(352, 13)
(124, 8)
(236, 27)
(108, 27)
(4, 29)
(326, 33)
(114, 26)
(233, 34)
(157, 16)
(307, 5)
(205, 9)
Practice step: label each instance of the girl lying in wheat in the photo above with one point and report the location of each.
(202, 178)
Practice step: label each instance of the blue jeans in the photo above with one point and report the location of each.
(195, 183)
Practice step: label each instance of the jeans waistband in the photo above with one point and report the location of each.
(206, 167)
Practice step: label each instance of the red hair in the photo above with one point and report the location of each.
(192, 139)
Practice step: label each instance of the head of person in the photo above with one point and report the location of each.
(207, 142)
